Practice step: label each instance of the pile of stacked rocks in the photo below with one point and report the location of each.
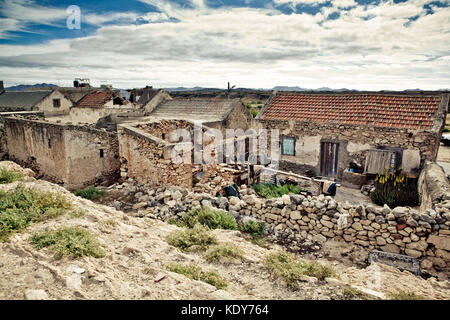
(305, 221)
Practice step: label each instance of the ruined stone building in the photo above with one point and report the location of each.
(146, 150)
(211, 112)
(70, 155)
(322, 133)
(148, 98)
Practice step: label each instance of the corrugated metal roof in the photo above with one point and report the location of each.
(205, 110)
(21, 100)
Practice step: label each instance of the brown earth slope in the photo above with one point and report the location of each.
(137, 254)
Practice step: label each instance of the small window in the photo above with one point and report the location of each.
(288, 146)
(101, 153)
(56, 103)
(49, 143)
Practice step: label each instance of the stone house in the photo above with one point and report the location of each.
(51, 102)
(73, 156)
(322, 133)
(98, 104)
(212, 112)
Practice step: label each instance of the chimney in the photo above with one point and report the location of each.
(2, 89)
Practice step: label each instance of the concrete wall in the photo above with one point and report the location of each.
(64, 154)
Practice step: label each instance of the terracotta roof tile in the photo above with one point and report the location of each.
(361, 109)
(96, 99)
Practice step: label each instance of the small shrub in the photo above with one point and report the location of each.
(20, 207)
(404, 295)
(446, 129)
(76, 214)
(259, 242)
(255, 228)
(227, 251)
(110, 222)
(197, 238)
(90, 193)
(175, 221)
(194, 272)
(269, 190)
(283, 265)
(352, 293)
(69, 241)
(395, 189)
(7, 176)
(254, 112)
(214, 219)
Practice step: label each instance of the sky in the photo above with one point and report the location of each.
(355, 44)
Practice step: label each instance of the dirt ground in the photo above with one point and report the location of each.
(137, 254)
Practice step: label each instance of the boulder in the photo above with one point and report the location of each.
(440, 242)
(36, 295)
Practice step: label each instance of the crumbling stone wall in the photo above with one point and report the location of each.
(75, 156)
(433, 186)
(302, 222)
(215, 178)
(147, 159)
(355, 141)
(92, 157)
(23, 114)
(239, 118)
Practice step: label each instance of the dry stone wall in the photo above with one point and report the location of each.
(304, 223)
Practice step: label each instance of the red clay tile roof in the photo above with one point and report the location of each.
(380, 110)
(96, 99)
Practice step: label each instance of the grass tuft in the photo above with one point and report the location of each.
(69, 241)
(197, 238)
(110, 222)
(8, 176)
(255, 228)
(404, 295)
(283, 265)
(213, 219)
(90, 193)
(194, 272)
(20, 207)
(227, 251)
(269, 190)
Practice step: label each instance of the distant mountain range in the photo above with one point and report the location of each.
(24, 87)
(277, 88)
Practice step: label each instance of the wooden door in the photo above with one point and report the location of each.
(329, 153)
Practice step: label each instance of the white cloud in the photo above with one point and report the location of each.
(250, 48)
(344, 3)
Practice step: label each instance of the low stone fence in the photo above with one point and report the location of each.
(309, 220)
